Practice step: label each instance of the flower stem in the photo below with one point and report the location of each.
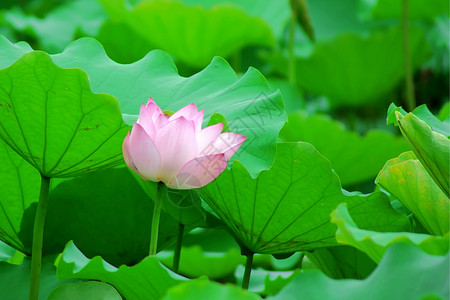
(155, 219)
(177, 252)
(38, 236)
(248, 270)
(410, 98)
(292, 66)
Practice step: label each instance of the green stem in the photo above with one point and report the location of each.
(292, 67)
(38, 236)
(155, 219)
(410, 98)
(248, 270)
(177, 253)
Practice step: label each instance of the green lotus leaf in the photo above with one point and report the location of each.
(355, 158)
(19, 189)
(266, 282)
(343, 63)
(249, 105)
(66, 18)
(287, 208)
(146, 280)
(393, 9)
(203, 33)
(375, 244)
(207, 252)
(52, 119)
(342, 262)
(15, 280)
(85, 290)
(431, 147)
(195, 262)
(205, 289)
(405, 178)
(275, 13)
(404, 273)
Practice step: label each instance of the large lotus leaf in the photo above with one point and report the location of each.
(375, 244)
(205, 289)
(405, 178)
(194, 262)
(342, 262)
(193, 34)
(19, 188)
(275, 13)
(249, 105)
(287, 208)
(52, 119)
(15, 280)
(355, 158)
(147, 280)
(405, 273)
(343, 63)
(66, 18)
(292, 96)
(85, 290)
(430, 147)
(123, 44)
(418, 9)
(208, 252)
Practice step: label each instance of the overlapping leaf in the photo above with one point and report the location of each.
(19, 189)
(146, 280)
(274, 13)
(85, 290)
(194, 262)
(266, 282)
(287, 208)
(15, 280)
(207, 252)
(353, 157)
(205, 289)
(192, 34)
(375, 244)
(249, 105)
(66, 18)
(52, 119)
(406, 179)
(342, 262)
(404, 273)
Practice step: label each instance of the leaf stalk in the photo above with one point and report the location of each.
(38, 236)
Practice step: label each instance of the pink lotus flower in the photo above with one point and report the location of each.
(176, 150)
